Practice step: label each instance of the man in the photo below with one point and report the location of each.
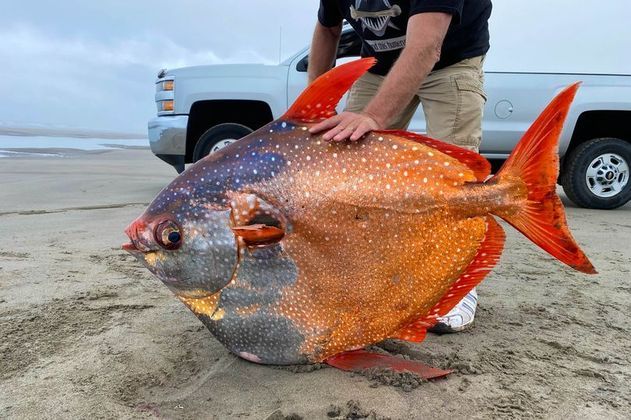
(429, 52)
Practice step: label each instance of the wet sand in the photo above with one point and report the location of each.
(86, 332)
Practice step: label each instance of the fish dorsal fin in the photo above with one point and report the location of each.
(488, 255)
(318, 101)
(477, 163)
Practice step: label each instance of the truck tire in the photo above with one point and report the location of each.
(596, 174)
(218, 137)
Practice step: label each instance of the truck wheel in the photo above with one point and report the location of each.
(596, 174)
(218, 137)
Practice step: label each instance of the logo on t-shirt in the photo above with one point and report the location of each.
(375, 15)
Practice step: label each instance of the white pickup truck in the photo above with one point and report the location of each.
(204, 108)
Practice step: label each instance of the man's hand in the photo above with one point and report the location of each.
(347, 125)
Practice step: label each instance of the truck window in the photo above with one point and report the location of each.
(348, 48)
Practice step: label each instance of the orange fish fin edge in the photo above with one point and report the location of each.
(535, 161)
(362, 359)
(486, 258)
(474, 161)
(318, 101)
(414, 332)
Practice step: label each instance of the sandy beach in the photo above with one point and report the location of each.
(86, 332)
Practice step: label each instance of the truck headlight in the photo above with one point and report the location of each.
(165, 85)
(165, 94)
(166, 106)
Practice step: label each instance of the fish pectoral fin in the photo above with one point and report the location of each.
(362, 359)
(259, 234)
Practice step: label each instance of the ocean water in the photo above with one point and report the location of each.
(40, 146)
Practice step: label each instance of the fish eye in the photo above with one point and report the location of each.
(168, 235)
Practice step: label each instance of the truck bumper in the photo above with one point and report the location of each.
(167, 138)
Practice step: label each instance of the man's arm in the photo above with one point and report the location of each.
(323, 49)
(424, 38)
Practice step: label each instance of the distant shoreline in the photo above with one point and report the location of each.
(68, 132)
(61, 152)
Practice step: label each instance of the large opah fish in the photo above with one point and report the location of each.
(291, 249)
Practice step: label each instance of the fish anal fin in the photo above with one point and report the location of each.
(486, 258)
(474, 161)
(318, 101)
(362, 359)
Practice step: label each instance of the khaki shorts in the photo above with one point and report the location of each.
(453, 101)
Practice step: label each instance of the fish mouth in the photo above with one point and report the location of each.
(133, 249)
(135, 246)
(129, 247)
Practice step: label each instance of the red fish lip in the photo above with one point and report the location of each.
(134, 245)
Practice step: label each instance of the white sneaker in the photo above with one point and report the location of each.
(460, 317)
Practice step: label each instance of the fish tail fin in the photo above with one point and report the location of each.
(535, 165)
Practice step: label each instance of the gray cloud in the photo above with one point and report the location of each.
(92, 64)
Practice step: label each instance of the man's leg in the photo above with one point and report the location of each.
(453, 102)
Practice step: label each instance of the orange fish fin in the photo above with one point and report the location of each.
(260, 234)
(361, 359)
(488, 255)
(474, 161)
(535, 161)
(319, 99)
(414, 332)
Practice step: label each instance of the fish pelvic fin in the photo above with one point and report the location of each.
(362, 359)
(318, 101)
(535, 165)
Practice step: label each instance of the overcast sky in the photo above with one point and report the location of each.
(92, 64)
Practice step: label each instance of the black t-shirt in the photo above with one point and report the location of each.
(382, 26)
